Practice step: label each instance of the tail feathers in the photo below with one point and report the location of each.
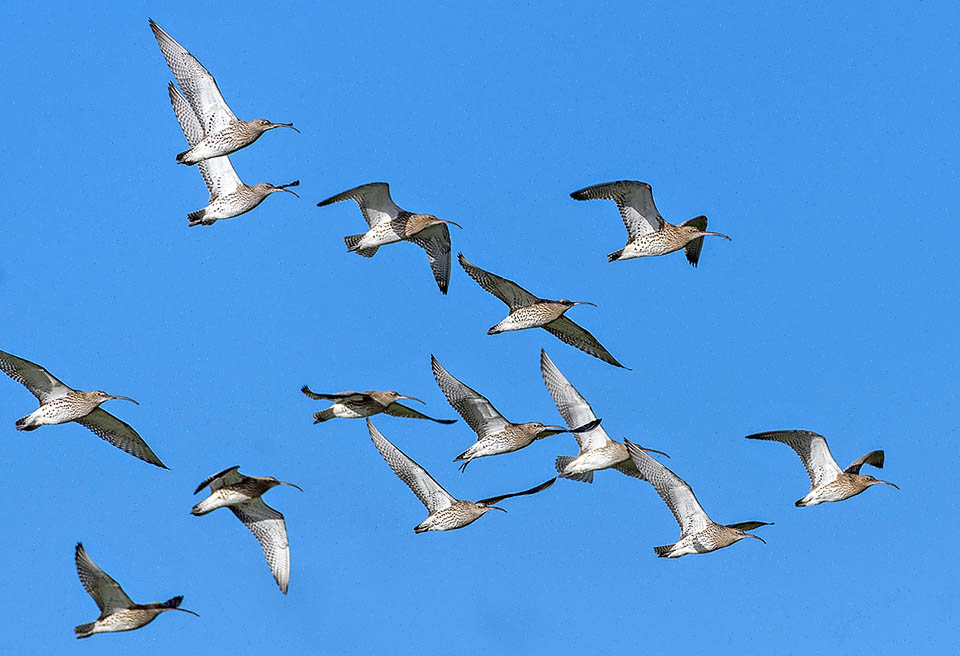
(323, 415)
(663, 551)
(84, 630)
(561, 464)
(22, 424)
(352, 240)
(196, 218)
(181, 157)
(615, 255)
(173, 603)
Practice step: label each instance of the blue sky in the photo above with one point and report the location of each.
(822, 139)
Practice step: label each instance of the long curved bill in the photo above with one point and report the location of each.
(751, 535)
(550, 431)
(412, 398)
(888, 483)
(284, 125)
(124, 398)
(295, 183)
(717, 234)
(291, 485)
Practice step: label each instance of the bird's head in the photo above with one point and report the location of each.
(569, 303)
(694, 231)
(418, 222)
(100, 396)
(392, 395)
(263, 125)
(542, 430)
(266, 188)
(870, 480)
(274, 482)
(481, 506)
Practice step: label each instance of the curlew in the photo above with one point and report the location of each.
(495, 435)
(60, 404)
(390, 224)
(220, 131)
(647, 232)
(229, 196)
(528, 311)
(242, 494)
(827, 481)
(353, 405)
(698, 533)
(117, 611)
(597, 450)
(445, 512)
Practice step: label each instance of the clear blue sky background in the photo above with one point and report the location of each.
(822, 139)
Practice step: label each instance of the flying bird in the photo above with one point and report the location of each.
(597, 450)
(60, 404)
(495, 435)
(229, 196)
(242, 494)
(827, 481)
(353, 405)
(117, 611)
(445, 512)
(698, 533)
(390, 224)
(528, 311)
(647, 232)
(220, 131)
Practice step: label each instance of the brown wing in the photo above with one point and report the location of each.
(120, 434)
(400, 410)
(435, 241)
(874, 458)
(540, 488)
(507, 291)
(694, 247)
(567, 331)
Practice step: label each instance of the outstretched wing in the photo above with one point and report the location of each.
(400, 410)
(507, 291)
(105, 591)
(228, 476)
(271, 531)
(540, 488)
(435, 241)
(674, 491)
(41, 383)
(338, 396)
(120, 434)
(431, 494)
(569, 332)
(374, 201)
(874, 458)
(634, 200)
(572, 406)
(813, 451)
(693, 248)
(196, 83)
(218, 173)
(475, 409)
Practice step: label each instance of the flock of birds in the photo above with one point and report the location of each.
(213, 132)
